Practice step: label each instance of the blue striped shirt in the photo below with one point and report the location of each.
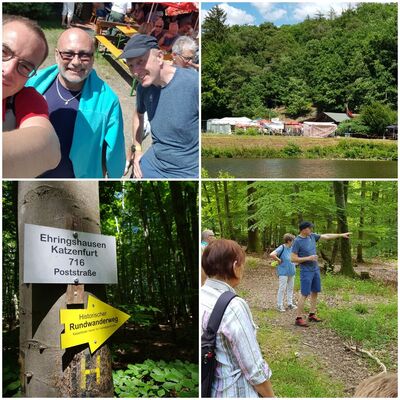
(240, 364)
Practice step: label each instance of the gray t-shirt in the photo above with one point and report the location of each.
(173, 113)
(305, 247)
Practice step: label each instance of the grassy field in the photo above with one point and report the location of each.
(297, 147)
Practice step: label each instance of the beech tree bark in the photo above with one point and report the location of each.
(46, 369)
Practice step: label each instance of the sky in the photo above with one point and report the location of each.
(279, 13)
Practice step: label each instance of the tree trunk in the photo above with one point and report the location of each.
(345, 250)
(230, 234)
(361, 223)
(253, 245)
(221, 225)
(204, 188)
(46, 369)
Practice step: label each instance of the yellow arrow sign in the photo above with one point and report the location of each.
(93, 325)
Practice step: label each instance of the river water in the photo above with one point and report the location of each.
(299, 168)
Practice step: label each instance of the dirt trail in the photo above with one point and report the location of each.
(259, 287)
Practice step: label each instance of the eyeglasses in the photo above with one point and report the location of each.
(187, 59)
(69, 55)
(24, 68)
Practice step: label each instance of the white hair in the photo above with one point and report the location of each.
(182, 43)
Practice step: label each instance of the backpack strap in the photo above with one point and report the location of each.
(218, 312)
(283, 249)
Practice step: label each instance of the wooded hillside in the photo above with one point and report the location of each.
(324, 62)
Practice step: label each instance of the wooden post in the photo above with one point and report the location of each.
(46, 369)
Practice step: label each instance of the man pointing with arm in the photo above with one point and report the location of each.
(304, 253)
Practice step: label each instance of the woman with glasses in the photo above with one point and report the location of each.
(184, 52)
(241, 370)
(30, 144)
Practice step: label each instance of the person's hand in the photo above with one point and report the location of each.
(129, 162)
(137, 172)
(313, 258)
(346, 235)
(193, 65)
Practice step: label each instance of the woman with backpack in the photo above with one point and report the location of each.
(286, 271)
(232, 363)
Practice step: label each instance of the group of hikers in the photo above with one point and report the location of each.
(64, 121)
(232, 362)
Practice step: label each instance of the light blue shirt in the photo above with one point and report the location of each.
(98, 123)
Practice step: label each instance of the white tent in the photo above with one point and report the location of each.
(224, 125)
(319, 129)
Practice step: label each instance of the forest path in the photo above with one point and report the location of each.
(259, 287)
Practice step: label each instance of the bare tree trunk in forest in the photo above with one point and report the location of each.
(253, 245)
(361, 223)
(374, 199)
(46, 369)
(228, 212)
(221, 225)
(296, 189)
(169, 298)
(190, 247)
(204, 188)
(345, 250)
(148, 249)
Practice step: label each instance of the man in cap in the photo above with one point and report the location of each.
(304, 253)
(170, 96)
(84, 111)
(207, 237)
(30, 144)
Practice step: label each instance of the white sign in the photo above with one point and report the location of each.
(53, 255)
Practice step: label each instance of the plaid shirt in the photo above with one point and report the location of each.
(240, 364)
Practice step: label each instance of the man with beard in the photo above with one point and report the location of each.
(170, 96)
(84, 111)
(30, 144)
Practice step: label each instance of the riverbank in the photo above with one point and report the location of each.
(273, 147)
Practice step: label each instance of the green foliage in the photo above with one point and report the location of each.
(156, 225)
(296, 98)
(292, 150)
(31, 10)
(157, 379)
(141, 315)
(213, 26)
(11, 382)
(377, 117)
(354, 149)
(247, 131)
(375, 327)
(353, 126)
(340, 284)
(324, 62)
(281, 205)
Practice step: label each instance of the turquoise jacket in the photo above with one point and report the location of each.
(99, 120)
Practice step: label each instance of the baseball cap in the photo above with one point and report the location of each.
(305, 224)
(138, 45)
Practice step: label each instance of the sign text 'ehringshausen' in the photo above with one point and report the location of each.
(53, 255)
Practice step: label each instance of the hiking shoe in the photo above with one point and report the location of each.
(292, 307)
(314, 318)
(281, 309)
(301, 322)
